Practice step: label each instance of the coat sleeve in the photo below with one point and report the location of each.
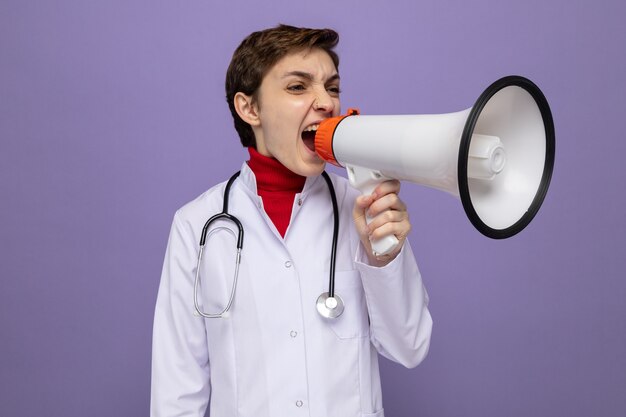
(397, 303)
(180, 360)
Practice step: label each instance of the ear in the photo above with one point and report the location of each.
(246, 109)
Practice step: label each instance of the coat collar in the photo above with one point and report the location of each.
(248, 180)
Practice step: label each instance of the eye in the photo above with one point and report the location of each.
(333, 90)
(296, 88)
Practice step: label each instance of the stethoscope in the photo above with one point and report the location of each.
(329, 304)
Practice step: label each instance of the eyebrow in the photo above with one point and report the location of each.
(308, 76)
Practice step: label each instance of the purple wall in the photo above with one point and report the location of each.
(112, 115)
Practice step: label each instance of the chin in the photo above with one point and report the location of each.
(311, 169)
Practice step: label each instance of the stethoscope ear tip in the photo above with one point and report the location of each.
(329, 307)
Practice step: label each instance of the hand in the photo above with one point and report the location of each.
(389, 217)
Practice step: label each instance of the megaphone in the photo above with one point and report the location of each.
(496, 156)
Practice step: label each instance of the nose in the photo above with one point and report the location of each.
(323, 102)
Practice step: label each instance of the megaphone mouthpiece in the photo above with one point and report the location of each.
(325, 134)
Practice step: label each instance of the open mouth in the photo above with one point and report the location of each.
(308, 136)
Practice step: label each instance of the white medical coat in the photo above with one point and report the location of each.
(274, 355)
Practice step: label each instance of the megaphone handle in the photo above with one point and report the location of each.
(366, 180)
(384, 245)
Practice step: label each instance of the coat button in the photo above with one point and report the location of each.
(299, 403)
(288, 264)
(293, 333)
(299, 201)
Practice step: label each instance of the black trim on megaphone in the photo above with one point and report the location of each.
(470, 124)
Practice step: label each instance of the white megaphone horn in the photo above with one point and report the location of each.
(496, 156)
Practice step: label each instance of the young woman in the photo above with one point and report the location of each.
(272, 354)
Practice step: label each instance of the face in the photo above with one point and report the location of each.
(300, 91)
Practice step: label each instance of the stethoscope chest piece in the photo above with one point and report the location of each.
(329, 307)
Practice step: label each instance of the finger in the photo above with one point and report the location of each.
(358, 214)
(399, 229)
(364, 201)
(387, 202)
(388, 216)
(387, 187)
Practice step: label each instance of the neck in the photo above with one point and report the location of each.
(277, 186)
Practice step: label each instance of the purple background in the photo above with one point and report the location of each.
(112, 116)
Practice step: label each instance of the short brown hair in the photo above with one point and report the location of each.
(258, 53)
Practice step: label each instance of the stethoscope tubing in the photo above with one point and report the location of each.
(333, 251)
(226, 215)
(223, 215)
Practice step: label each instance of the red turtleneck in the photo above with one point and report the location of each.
(277, 186)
